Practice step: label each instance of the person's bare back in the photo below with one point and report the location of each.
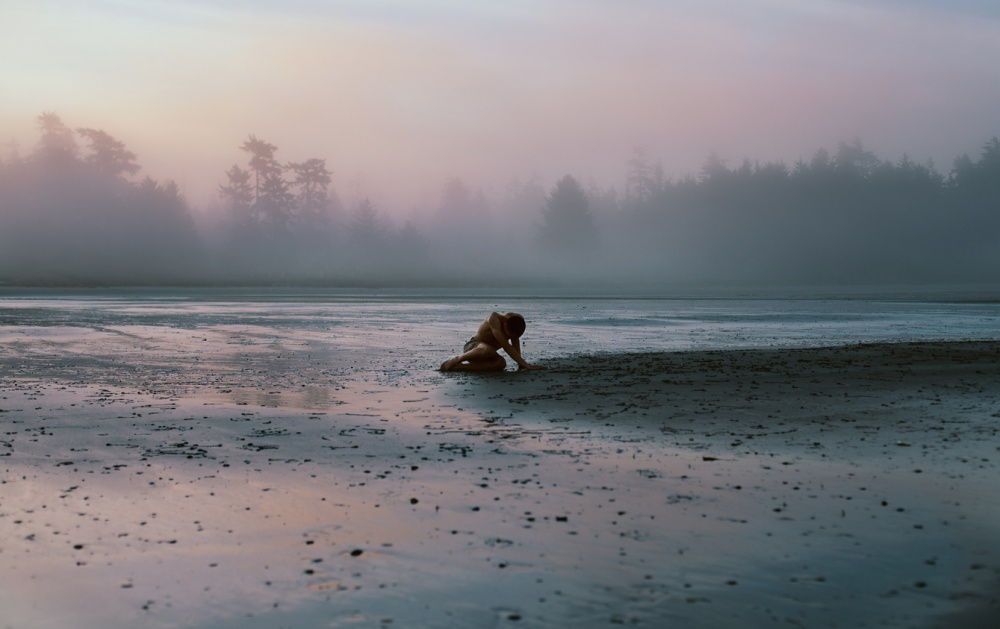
(482, 351)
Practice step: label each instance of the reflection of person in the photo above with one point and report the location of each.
(481, 353)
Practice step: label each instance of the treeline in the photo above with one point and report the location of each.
(74, 211)
(283, 222)
(75, 217)
(849, 217)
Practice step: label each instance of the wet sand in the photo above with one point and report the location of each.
(234, 478)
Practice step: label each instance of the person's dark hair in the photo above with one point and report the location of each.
(516, 325)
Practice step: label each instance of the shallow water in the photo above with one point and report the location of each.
(268, 459)
(422, 322)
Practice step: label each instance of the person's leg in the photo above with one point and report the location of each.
(496, 364)
(480, 358)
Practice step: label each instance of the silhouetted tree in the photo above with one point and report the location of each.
(366, 227)
(66, 220)
(312, 179)
(855, 160)
(771, 173)
(973, 193)
(164, 228)
(262, 161)
(967, 173)
(567, 224)
(643, 180)
(713, 168)
(238, 193)
(108, 155)
(272, 206)
(989, 161)
(462, 209)
(57, 145)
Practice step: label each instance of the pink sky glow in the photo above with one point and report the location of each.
(400, 96)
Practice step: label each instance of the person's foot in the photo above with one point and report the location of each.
(448, 364)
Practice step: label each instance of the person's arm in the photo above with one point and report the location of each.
(512, 350)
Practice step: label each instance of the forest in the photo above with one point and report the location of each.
(75, 212)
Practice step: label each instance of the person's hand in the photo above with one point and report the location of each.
(534, 367)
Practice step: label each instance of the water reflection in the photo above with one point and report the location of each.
(306, 398)
(256, 464)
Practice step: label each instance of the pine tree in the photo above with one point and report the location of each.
(567, 223)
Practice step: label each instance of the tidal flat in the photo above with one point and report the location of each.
(179, 461)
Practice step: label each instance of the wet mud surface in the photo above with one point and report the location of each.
(246, 476)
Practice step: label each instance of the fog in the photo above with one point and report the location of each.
(73, 211)
(401, 143)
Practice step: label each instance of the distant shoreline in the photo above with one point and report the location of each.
(970, 293)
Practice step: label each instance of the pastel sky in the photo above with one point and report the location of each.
(400, 95)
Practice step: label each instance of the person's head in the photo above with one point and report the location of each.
(515, 324)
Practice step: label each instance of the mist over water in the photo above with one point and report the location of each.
(74, 216)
